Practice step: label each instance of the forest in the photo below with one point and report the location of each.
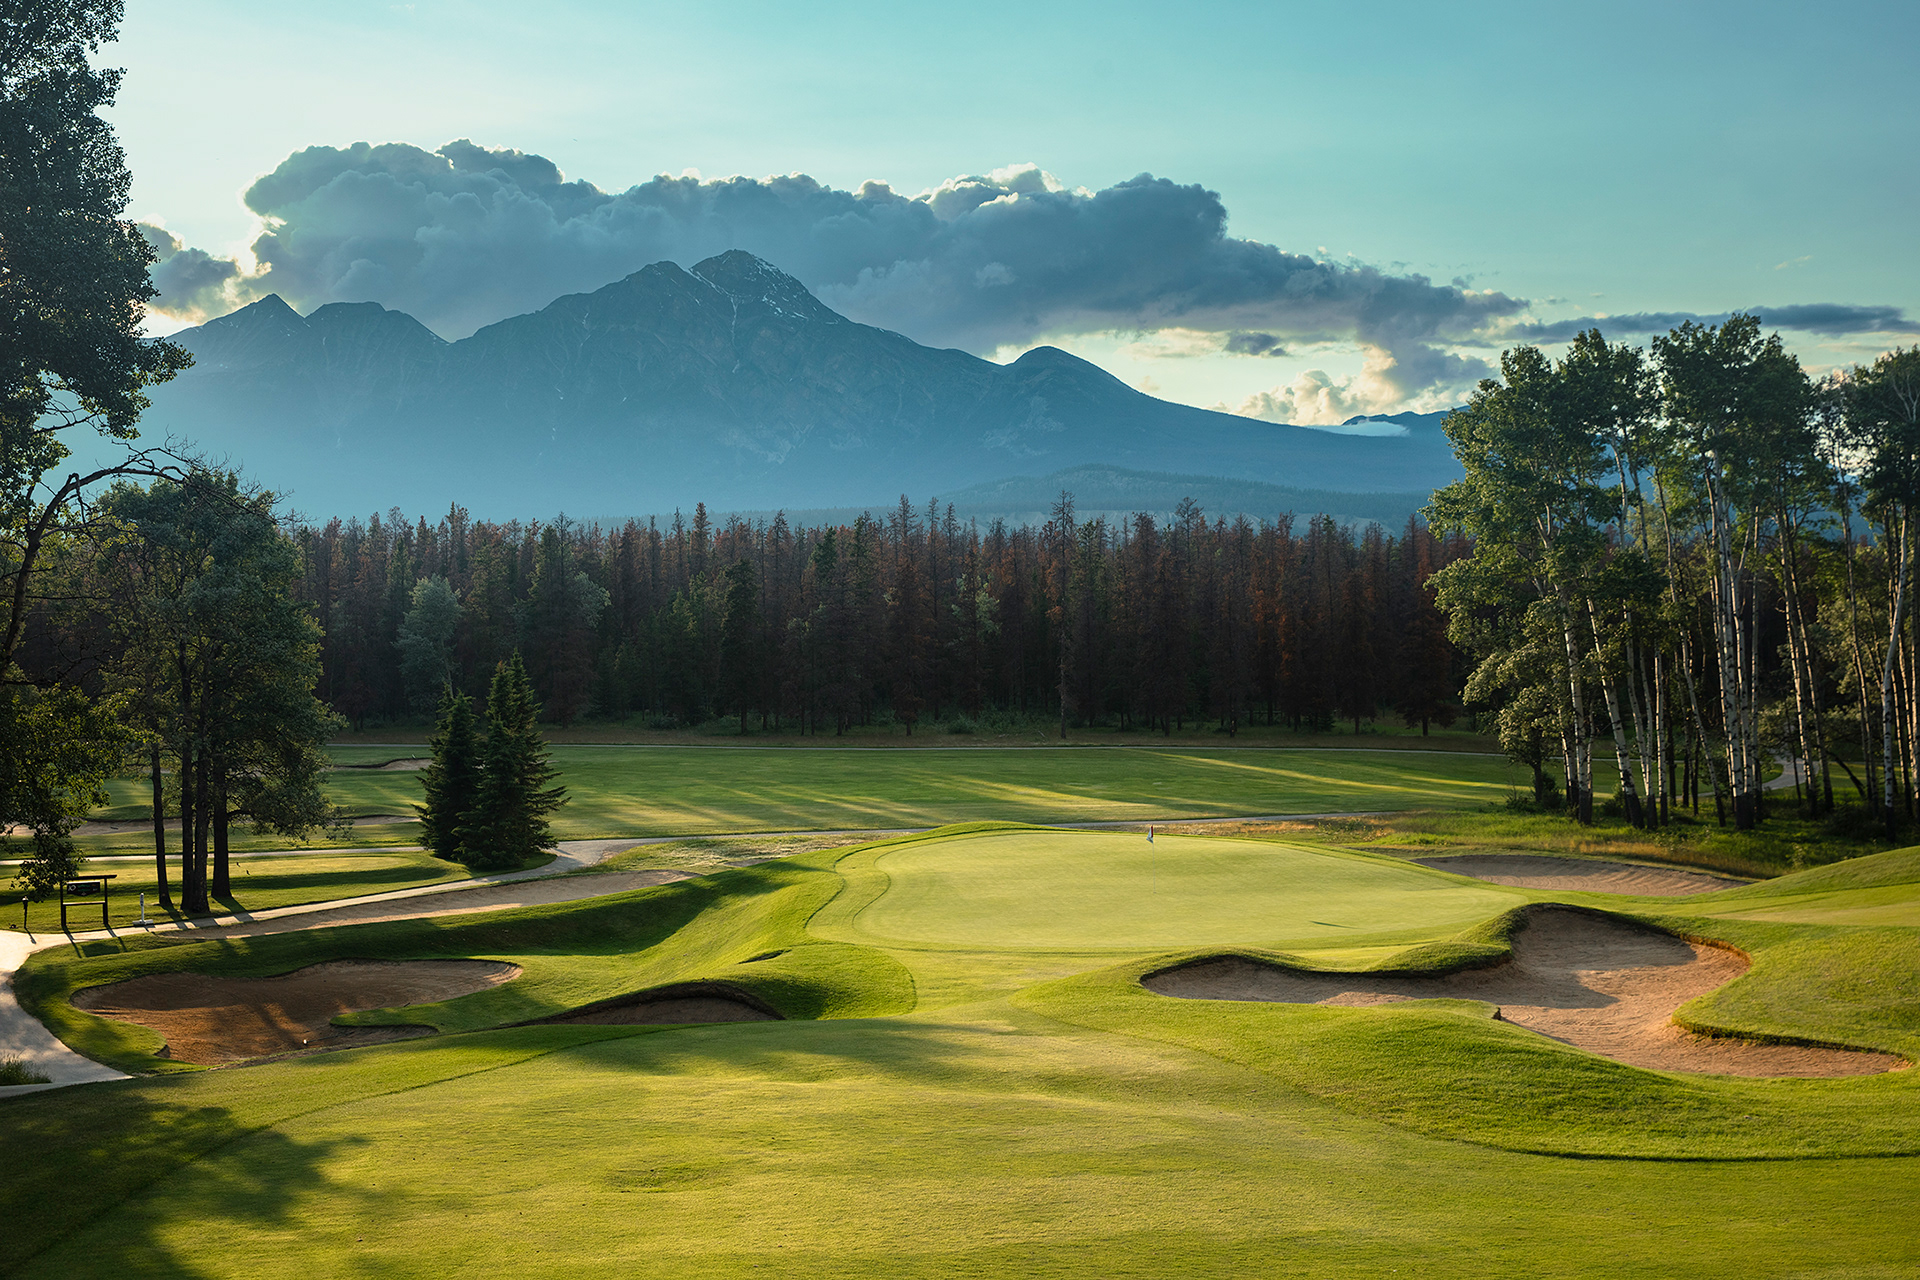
(915, 617)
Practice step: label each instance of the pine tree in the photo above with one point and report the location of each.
(452, 781)
(741, 673)
(508, 821)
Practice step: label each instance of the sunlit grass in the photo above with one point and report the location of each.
(1033, 1114)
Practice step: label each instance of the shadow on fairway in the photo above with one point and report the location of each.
(55, 1149)
(910, 1052)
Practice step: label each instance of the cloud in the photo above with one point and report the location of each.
(1419, 378)
(465, 236)
(194, 285)
(1829, 319)
(1253, 344)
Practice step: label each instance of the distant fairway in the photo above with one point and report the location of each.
(1100, 889)
(642, 791)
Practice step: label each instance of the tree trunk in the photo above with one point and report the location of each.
(1886, 689)
(202, 825)
(193, 890)
(222, 881)
(159, 827)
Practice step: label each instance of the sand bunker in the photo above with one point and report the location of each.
(1529, 871)
(1598, 982)
(683, 1002)
(208, 1020)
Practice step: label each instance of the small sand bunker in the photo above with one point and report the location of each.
(1597, 982)
(1530, 871)
(667, 1006)
(208, 1020)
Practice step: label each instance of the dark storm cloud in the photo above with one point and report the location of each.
(193, 284)
(1829, 319)
(1253, 344)
(465, 236)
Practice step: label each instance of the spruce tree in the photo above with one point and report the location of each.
(740, 660)
(452, 781)
(508, 821)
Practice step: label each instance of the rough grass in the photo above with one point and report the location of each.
(1785, 842)
(17, 1071)
(717, 853)
(1036, 1113)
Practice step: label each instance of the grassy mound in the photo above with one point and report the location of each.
(573, 954)
(972, 1062)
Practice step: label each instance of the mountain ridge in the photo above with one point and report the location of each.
(729, 383)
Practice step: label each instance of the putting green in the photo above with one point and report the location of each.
(973, 1082)
(1075, 889)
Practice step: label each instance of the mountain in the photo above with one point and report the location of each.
(729, 384)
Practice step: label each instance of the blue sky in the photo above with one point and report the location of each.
(1583, 160)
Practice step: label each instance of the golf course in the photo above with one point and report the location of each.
(998, 1048)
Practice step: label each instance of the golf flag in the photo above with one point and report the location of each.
(1149, 833)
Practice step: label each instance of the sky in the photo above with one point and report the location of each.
(1351, 208)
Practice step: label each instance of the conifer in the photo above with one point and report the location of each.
(508, 821)
(452, 781)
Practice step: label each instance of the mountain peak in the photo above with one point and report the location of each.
(745, 278)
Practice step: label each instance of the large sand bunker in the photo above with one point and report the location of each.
(209, 1020)
(1530, 871)
(1597, 982)
(683, 1002)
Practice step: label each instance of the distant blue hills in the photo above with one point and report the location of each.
(729, 384)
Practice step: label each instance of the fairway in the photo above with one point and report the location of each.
(1114, 890)
(974, 1080)
(644, 791)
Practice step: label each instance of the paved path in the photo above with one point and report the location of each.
(1789, 774)
(23, 1036)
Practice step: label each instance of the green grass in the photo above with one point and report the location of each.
(678, 790)
(17, 1071)
(1005, 891)
(975, 1084)
(259, 884)
(1786, 841)
(690, 791)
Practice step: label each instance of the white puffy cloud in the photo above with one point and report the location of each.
(1413, 377)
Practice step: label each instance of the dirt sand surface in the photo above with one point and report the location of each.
(1530, 871)
(210, 1020)
(1602, 984)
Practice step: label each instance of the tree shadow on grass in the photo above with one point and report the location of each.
(83, 1160)
(916, 1052)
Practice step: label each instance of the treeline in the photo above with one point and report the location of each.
(1692, 559)
(916, 616)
